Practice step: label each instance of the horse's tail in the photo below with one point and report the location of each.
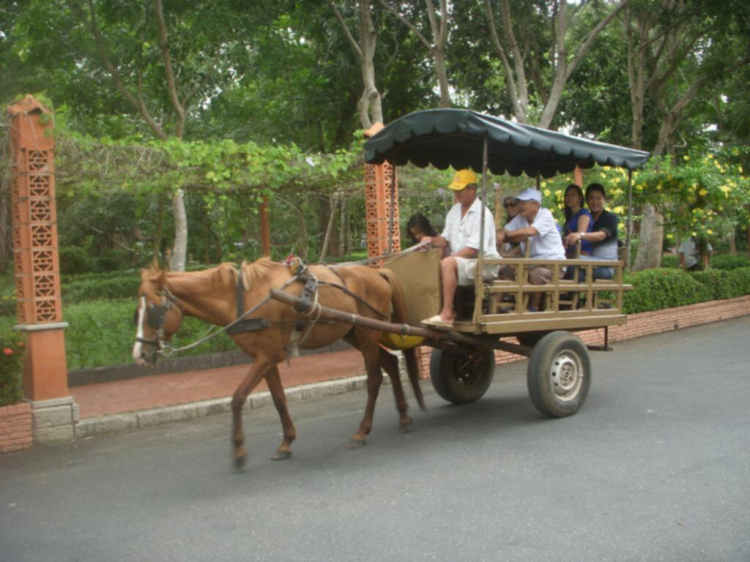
(400, 315)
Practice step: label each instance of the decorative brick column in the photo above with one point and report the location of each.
(578, 177)
(381, 194)
(37, 271)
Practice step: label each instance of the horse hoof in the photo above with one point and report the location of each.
(281, 455)
(404, 427)
(240, 458)
(356, 443)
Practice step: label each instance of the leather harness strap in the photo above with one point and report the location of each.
(247, 324)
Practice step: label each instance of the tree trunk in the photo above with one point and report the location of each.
(442, 76)
(650, 242)
(343, 227)
(329, 235)
(369, 105)
(371, 108)
(159, 227)
(179, 250)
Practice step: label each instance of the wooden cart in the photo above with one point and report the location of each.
(463, 359)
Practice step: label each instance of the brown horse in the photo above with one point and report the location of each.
(212, 295)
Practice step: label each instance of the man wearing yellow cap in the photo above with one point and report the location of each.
(462, 233)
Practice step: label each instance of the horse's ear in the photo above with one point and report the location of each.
(163, 277)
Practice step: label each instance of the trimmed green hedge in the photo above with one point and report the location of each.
(670, 261)
(723, 284)
(101, 289)
(655, 289)
(729, 262)
(102, 333)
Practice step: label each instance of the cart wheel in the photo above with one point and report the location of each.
(559, 374)
(461, 379)
(530, 339)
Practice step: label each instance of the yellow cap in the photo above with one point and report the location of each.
(462, 179)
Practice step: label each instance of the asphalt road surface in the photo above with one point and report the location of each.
(655, 467)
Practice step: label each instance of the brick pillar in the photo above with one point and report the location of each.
(37, 271)
(578, 178)
(381, 193)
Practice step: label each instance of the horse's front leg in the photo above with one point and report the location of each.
(389, 362)
(371, 354)
(257, 371)
(279, 400)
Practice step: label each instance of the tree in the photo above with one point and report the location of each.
(670, 59)
(370, 106)
(438, 25)
(535, 42)
(161, 64)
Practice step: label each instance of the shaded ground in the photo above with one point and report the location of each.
(654, 467)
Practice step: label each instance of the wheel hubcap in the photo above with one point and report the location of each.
(566, 375)
(468, 370)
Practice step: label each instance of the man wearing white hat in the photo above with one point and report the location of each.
(462, 236)
(538, 226)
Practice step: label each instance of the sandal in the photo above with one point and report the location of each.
(437, 321)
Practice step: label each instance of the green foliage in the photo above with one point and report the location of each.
(11, 367)
(113, 260)
(655, 289)
(669, 261)
(705, 196)
(102, 333)
(74, 260)
(101, 289)
(725, 284)
(729, 262)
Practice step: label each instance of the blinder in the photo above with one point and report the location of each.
(156, 314)
(155, 317)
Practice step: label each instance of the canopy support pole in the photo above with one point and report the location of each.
(629, 227)
(479, 277)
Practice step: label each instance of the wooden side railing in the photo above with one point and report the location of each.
(506, 301)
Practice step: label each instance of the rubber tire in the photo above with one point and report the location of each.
(530, 339)
(450, 386)
(540, 378)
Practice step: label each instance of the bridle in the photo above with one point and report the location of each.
(156, 315)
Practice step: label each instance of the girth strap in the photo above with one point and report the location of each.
(247, 324)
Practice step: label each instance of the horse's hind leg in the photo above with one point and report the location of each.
(374, 380)
(389, 362)
(256, 373)
(279, 400)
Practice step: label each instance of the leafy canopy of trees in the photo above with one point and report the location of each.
(224, 101)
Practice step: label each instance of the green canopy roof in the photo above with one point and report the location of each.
(454, 137)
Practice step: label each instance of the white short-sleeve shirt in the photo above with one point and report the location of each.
(463, 232)
(548, 243)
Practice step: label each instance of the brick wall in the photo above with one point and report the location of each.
(638, 325)
(15, 427)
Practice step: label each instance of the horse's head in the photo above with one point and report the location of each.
(157, 317)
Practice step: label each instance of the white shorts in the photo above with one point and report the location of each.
(466, 268)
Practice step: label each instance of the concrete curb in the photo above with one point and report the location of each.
(130, 421)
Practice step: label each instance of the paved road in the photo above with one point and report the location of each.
(655, 467)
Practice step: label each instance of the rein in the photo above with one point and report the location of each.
(156, 314)
(167, 350)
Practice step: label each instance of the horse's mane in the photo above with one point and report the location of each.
(252, 273)
(223, 274)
